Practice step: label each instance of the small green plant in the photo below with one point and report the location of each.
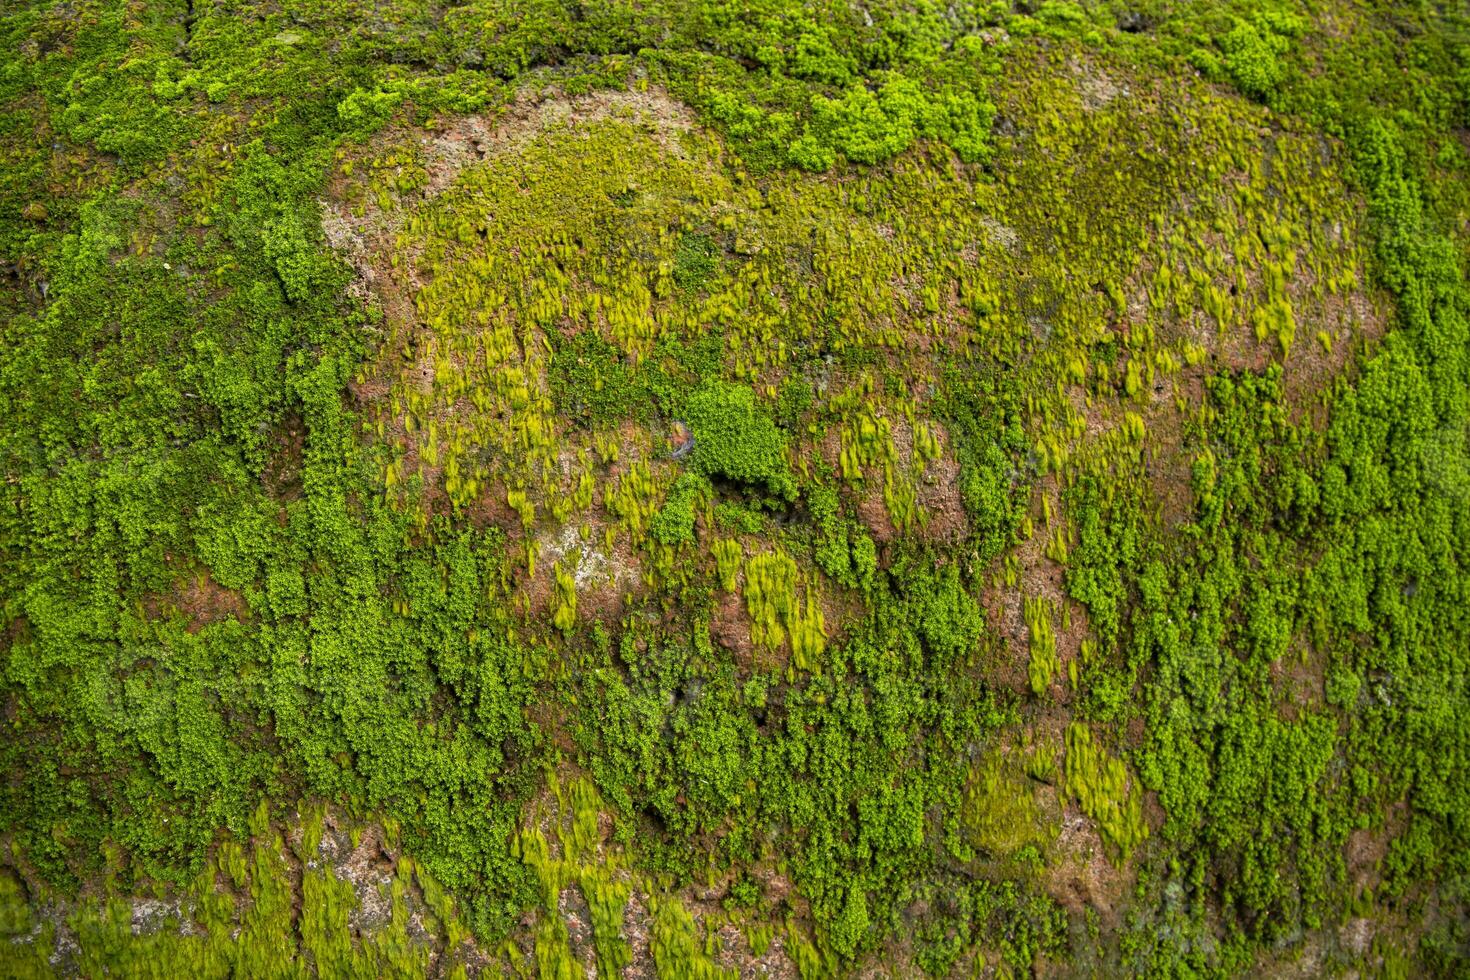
(728, 553)
(777, 609)
(736, 440)
(1100, 785)
(564, 603)
(1044, 664)
(585, 862)
(675, 948)
(674, 523)
(1251, 53)
(695, 260)
(1000, 815)
(770, 597)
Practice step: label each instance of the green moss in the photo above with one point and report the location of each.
(695, 261)
(674, 523)
(1101, 787)
(957, 304)
(1000, 816)
(735, 439)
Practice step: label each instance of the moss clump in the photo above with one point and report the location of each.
(999, 815)
(1100, 784)
(674, 523)
(695, 260)
(735, 439)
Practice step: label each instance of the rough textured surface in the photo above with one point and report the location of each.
(716, 489)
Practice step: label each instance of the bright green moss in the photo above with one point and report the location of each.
(674, 523)
(736, 440)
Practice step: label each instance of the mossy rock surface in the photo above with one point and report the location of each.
(710, 489)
